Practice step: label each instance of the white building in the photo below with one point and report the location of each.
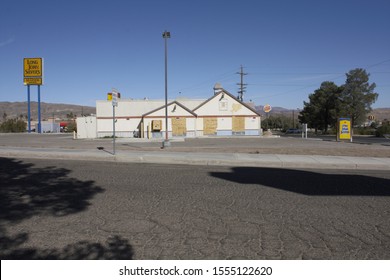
(220, 115)
(86, 127)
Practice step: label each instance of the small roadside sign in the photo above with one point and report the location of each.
(344, 129)
(114, 95)
(114, 99)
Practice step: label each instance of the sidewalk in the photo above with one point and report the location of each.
(202, 158)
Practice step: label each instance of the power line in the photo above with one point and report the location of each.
(220, 77)
(379, 63)
(241, 84)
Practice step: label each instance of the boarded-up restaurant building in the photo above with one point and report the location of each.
(220, 115)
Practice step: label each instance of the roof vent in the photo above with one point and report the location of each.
(217, 88)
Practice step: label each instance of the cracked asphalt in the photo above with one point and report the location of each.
(102, 210)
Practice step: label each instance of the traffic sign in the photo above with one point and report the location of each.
(115, 98)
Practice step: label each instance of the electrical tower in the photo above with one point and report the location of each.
(242, 88)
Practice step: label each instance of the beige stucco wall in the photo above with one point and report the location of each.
(223, 107)
(174, 111)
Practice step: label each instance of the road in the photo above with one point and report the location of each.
(100, 210)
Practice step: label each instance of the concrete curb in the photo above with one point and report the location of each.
(222, 159)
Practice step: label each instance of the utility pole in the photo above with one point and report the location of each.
(241, 84)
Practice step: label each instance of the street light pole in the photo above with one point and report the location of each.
(293, 119)
(166, 35)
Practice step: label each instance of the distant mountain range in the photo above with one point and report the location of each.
(61, 111)
(275, 110)
(48, 110)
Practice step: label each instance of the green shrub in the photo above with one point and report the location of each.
(382, 130)
(13, 125)
(71, 127)
(364, 131)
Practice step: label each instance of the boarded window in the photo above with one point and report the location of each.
(156, 125)
(179, 127)
(210, 126)
(238, 125)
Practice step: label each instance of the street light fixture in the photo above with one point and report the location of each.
(166, 35)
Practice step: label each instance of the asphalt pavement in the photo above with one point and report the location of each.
(64, 209)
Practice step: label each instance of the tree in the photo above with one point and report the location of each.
(72, 126)
(329, 102)
(358, 96)
(321, 111)
(384, 129)
(277, 121)
(70, 116)
(13, 125)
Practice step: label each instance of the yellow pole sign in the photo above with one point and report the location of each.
(344, 129)
(33, 71)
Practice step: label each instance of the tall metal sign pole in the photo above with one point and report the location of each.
(33, 75)
(39, 110)
(114, 104)
(28, 109)
(166, 35)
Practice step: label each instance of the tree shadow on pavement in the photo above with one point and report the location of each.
(27, 191)
(116, 248)
(308, 182)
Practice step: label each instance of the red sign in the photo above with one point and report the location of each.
(267, 108)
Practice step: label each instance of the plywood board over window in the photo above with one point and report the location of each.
(179, 127)
(238, 124)
(210, 126)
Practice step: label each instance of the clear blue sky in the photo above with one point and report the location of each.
(287, 47)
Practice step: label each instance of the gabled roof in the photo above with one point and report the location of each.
(169, 104)
(223, 91)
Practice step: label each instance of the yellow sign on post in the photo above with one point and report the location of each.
(33, 71)
(344, 129)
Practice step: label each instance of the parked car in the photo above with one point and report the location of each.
(293, 131)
